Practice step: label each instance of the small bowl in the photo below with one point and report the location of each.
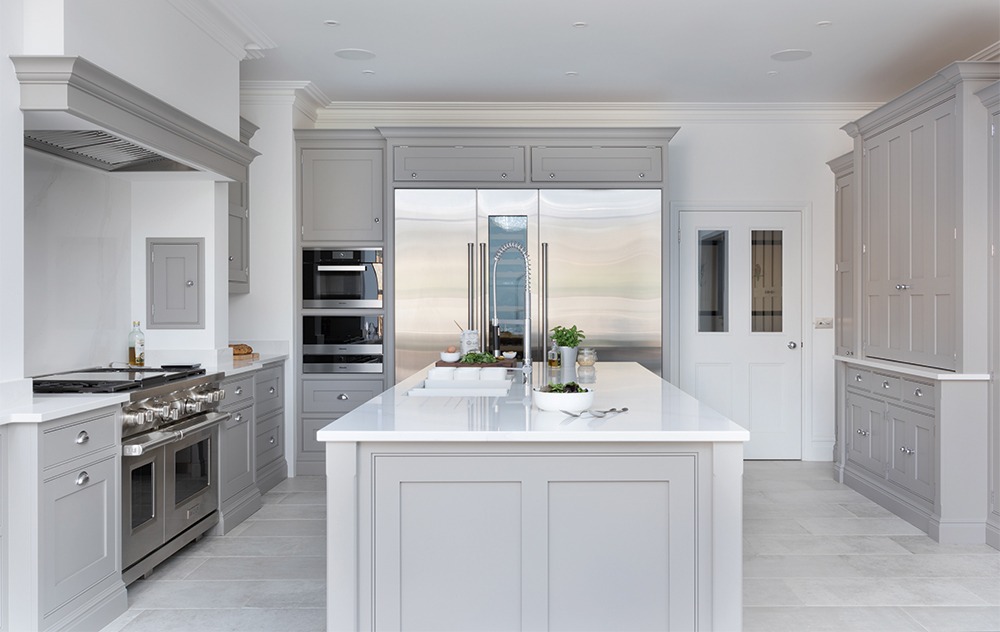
(450, 357)
(571, 402)
(509, 355)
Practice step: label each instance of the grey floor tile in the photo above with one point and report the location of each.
(279, 511)
(987, 588)
(301, 484)
(795, 510)
(772, 526)
(883, 591)
(283, 528)
(957, 618)
(867, 509)
(924, 545)
(859, 526)
(767, 544)
(229, 619)
(953, 566)
(261, 546)
(828, 619)
(769, 591)
(789, 566)
(249, 568)
(304, 498)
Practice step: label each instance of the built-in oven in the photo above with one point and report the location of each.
(342, 343)
(341, 278)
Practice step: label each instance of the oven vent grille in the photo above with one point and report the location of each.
(100, 149)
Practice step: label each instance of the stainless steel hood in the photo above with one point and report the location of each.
(77, 110)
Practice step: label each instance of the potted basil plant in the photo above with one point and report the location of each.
(568, 340)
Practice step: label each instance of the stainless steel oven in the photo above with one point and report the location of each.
(342, 343)
(341, 278)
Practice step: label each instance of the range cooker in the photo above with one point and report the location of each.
(170, 434)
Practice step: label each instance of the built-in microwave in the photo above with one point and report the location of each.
(342, 344)
(341, 278)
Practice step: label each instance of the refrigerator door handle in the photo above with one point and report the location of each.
(472, 285)
(484, 331)
(543, 292)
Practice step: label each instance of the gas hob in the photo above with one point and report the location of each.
(113, 379)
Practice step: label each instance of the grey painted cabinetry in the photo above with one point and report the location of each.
(4, 581)
(596, 164)
(991, 99)
(239, 223)
(341, 194)
(458, 164)
(238, 496)
(845, 221)
(326, 398)
(175, 283)
(63, 478)
(269, 402)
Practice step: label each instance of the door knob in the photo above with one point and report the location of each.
(792, 345)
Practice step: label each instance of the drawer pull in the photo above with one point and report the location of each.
(905, 450)
(82, 438)
(271, 440)
(858, 378)
(82, 478)
(271, 390)
(239, 390)
(885, 383)
(918, 392)
(238, 417)
(343, 397)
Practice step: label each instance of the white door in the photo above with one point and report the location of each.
(741, 323)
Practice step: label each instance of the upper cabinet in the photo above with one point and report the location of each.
(597, 164)
(341, 189)
(922, 197)
(845, 221)
(458, 164)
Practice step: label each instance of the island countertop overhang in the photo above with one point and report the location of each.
(658, 412)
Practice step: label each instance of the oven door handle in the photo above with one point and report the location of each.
(160, 438)
(340, 268)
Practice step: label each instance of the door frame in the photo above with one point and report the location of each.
(813, 448)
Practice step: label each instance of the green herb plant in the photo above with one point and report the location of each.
(567, 336)
(474, 357)
(568, 387)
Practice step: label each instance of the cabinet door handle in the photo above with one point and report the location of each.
(902, 286)
(239, 390)
(238, 417)
(271, 390)
(863, 433)
(82, 478)
(230, 257)
(82, 438)
(918, 392)
(857, 378)
(343, 397)
(271, 440)
(905, 450)
(885, 383)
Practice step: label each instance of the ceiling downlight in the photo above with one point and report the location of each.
(354, 54)
(791, 54)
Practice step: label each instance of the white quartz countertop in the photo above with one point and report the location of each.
(657, 411)
(48, 407)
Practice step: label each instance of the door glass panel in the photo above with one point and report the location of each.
(765, 259)
(191, 470)
(143, 496)
(713, 278)
(509, 281)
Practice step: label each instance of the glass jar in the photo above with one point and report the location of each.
(587, 357)
(468, 341)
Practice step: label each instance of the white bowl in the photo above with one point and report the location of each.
(510, 355)
(571, 402)
(467, 373)
(450, 357)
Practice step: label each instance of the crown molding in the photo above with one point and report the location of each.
(303, 96)
(358, 114)
(228, 25)
(990, 53)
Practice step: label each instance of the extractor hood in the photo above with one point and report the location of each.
(77, 110)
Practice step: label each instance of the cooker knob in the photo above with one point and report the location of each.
(192, 406)
(139, 417)
(208, 397)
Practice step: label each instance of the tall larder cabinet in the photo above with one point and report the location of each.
(920, 361)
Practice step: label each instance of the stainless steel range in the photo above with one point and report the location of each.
(170, 433)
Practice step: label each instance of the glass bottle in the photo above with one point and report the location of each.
(136, 346)
(554, 356)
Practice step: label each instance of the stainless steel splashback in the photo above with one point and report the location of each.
(596, 255)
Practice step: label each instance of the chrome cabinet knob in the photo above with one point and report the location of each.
(792, 345)
(905, 450)
(343, 397)
(190, 283)
(858, 378)
(885, 383)
(271, 390)
(83, 478)
(917, 392)
(82, 438)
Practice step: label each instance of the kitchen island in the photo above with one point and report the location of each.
(475, 513)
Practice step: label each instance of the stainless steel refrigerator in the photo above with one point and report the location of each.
(594, 262)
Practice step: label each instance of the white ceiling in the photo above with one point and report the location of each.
(629, 51)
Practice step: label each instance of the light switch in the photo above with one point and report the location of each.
(823, 323)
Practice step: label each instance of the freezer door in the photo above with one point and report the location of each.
(604, 270)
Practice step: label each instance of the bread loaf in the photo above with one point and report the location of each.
(241, 349)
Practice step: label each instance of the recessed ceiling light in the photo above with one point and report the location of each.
(331, 22)
(354, 54)
(772, 73)
(824, 23)
(368, 72)
(791, 54)
(572, 73)
(580, 25)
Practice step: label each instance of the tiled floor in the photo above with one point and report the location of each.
(817, 556)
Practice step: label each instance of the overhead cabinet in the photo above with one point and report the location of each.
(175, 283)
(239, 223)
(458, 164)
(341, 192)
(596, 164)
(846, 221)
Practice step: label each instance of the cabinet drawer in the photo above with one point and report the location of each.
(268, 394)
(270, 439)
(238, 391)
(887, 385)
(337, 396)
(308, 443)
(69, 441)
(919, 393)
(860, 379)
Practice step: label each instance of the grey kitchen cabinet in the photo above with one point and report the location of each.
(64, 480)
(239, 223)
(238, 496)
(596, 164)
(865, 428)
(326, 398)
(845, 222)
(911, 450)
(175, 283)
(458, 164)
(342, 194)
(269, 403)
(4, 571)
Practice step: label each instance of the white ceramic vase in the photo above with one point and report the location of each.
(568, 356)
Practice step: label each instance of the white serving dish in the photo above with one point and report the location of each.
(450, 357)
(446, 373)
(461, 388)
(570, 402)
(467, 373)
